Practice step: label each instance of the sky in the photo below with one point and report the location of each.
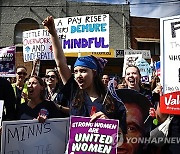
(147, 8)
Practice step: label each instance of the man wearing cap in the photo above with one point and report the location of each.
(137, 106)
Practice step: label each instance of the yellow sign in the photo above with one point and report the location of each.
(109, 54)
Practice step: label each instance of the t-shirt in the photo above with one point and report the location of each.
(28, 113)
(71, 88)
(7, 94)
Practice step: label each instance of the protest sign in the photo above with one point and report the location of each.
(1, 110)
(170, 58)
(7, 61)
(88, 33)
(145, 69)
(146, 54)
(93, 137)
(130, 60)
(32, 137)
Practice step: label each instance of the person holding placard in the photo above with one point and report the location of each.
(84, 88)
(37, 107)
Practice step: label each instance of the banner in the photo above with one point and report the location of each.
(93, 137)
(32, 137)
(7, 61)
(88, 33)
(170, 56)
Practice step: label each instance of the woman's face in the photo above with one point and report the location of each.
(51, 79)
(84, 77)
(132, 78)
(34, 88)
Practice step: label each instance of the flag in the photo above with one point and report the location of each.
(157, 67)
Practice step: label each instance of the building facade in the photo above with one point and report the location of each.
(22, 15)
(145, 35)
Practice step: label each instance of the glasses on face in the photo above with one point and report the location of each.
(22, 73)
(50, 76)
(33, 83)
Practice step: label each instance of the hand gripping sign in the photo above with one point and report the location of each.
(92, 137)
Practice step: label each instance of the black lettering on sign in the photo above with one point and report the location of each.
(25, 132)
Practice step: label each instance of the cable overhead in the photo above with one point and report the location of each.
(95, 4)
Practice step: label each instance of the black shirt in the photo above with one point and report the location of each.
(7, 94)
(28, 113)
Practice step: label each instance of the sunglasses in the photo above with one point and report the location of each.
(22, 73)
(50, 76)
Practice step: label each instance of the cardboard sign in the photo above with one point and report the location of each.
(88, 33)
(130, 60)
(32, 137)
(95, 137)
(7, 61)
(145, 69)
(170, 56)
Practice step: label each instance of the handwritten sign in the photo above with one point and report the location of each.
(130, 60)
(7, 61)
(95, 137)
(32, 137)
(145, 69)
(88, 33)
(170, 58)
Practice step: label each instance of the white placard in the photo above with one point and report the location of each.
(88, 33)
(144, 67)
(32, 137)
(1, 110)
(146, 54)
(130, 60)
(170, 54)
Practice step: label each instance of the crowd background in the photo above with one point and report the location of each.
(84, 92)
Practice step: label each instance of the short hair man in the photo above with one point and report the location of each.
(105, 79)
(137, 106)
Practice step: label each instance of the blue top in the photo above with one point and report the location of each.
(70, 90)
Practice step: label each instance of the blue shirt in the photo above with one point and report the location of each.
(70, 90)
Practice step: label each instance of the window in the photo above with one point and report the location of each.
(23, 25)
(154, 47)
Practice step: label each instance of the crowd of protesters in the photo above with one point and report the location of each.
(84, 92)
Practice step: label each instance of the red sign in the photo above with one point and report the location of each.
(170, 103)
